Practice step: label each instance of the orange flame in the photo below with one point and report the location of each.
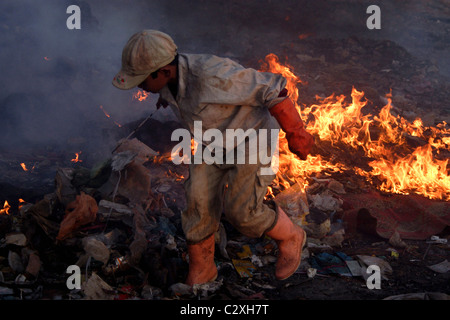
(24, 167)
(185, 157)
(140, 95)
(21, 203)
(76, 159)
(6, 208)
(396, 166)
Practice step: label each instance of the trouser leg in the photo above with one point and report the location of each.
(204, 195)
(243, 203)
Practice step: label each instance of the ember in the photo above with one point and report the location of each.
(76, 159)
(109, 116)
(106, 114)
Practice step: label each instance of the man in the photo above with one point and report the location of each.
(222, 95)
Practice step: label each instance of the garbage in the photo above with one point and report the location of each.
(354, 267)
(80, 212)
(33, 266)
(397, 241)
(15, 262)
(149, 292)
(18, 239)
(244, 268)
(65, 190)
(325, 201)
(334, 238)
(134, 248)
(413, 217)
(294, 202)
(139, 244)
(97, 289)
(385, 267)
(246, 252)
(442, 267)
(336, 187)
(96, 249)
(318, 224)
(327, 263)
(206, 289)
(143, 152)
(394, 253)
(437, 240)
(311, 272)
(181, 289)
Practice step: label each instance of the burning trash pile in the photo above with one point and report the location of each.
(119, 221)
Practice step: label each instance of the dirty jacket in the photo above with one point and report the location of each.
(223, 94)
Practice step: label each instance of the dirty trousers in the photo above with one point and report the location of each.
(236, 190)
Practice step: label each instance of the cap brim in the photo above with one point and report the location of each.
(125, 81)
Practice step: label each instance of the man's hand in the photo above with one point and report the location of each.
(300, 142)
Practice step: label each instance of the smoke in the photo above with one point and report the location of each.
(54, 80)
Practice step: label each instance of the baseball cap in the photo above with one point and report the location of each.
(144, 53)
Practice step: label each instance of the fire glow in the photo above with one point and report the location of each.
(6, 208)
(382, 139)
(77, 157)
(140, 95)
(25, 168)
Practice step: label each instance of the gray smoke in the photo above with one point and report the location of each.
(54, 80)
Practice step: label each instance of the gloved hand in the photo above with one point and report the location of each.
(299, 140)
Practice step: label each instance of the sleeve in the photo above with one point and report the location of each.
(228, 83)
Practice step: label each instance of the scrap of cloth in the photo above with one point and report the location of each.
(412, 216)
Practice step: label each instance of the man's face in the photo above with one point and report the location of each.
(154, 85)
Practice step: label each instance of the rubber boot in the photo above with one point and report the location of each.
(290, 239)
(202, 268)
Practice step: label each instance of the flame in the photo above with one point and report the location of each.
(21, 203)
(140, 95)
(76, 159)
(106, 114)
(380, 140)
(185, 157)
(6, 208)
(194, 145)
(24, 167)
